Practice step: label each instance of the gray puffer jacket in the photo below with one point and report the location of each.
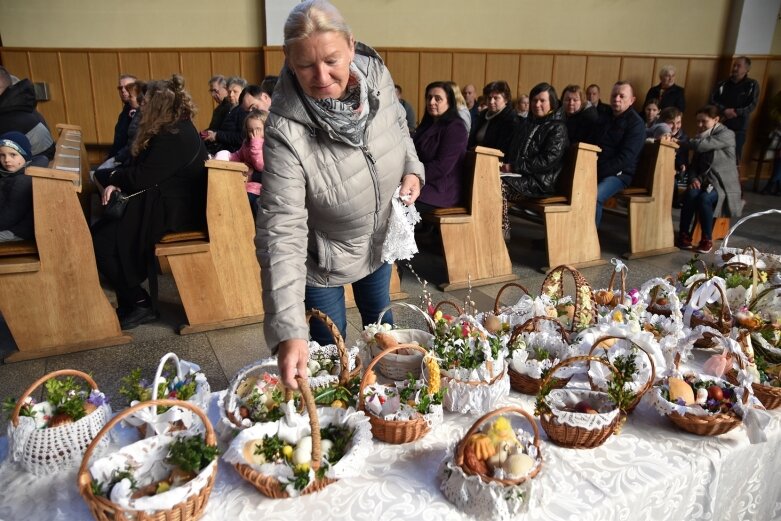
(325, 205)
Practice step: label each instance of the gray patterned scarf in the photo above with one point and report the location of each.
(345, 117)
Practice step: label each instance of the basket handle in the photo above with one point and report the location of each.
(570, 361)
(429, 321)
(314, 422)
(651, 378)
(344, 360)
(45, 378)
(620, 268)
(367, 373)
(159, 373)
(455, 306)
(241, 375)
(724, 312)
(84, 480)
(531, 325)
(459, 458)
(556, 289)
(744, 219)
(501, 291)
(771, 288)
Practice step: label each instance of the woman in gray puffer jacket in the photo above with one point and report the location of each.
(336, 148)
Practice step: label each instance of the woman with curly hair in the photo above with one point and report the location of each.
(167, 180)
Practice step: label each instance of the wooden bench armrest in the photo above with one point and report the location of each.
(19, 264)
(226, 165)
(53, 173)
(181, 248)
(449, 211)
(554, 199)
(67, 126)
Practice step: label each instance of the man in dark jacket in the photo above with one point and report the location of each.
(621, 137)
(17, 113)
(125, 117)
(736, 98)
(218, 89)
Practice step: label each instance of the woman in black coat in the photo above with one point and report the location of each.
(537, 152)
(496, 125)
(168, 174)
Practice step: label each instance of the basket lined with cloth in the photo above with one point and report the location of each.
(490, 472)
(535, 347)
(576, 312)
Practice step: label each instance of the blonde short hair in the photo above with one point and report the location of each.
(460, 101)
(314, 16)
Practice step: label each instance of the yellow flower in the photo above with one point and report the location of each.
(618, 316)
(438, 316)
(433, 374)
(302, 467)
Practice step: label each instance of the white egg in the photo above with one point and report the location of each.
(325, 446)
(313, 365)
(305, 443)
(518, 465)
(301, 456)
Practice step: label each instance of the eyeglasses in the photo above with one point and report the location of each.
(121, 88)
(214, 91)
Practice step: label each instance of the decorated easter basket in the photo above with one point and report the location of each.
(571, 428)
(692, 417)
(664, 322)
(472, 365)
(473, 487)
(769, 395)
(397, 365)
(645, 373)
(582, 310)
(405, 424)
(767, 339)
(770, 261)
(186, 502)
(277, 479)
(511, 315)
(608, 297)
(528, 380)
(150, 421)
(43, 451)
(347, 364)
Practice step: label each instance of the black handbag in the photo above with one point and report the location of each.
(117, 204)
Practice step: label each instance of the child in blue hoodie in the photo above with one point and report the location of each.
(16, 189)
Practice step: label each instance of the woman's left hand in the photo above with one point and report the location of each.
(107, 194)
(410, 186)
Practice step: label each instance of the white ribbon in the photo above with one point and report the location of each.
(707, 293)
(619, 265)
(754, 419)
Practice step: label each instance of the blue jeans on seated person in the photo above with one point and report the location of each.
(372, 295)
(703, 203)
(607, 188)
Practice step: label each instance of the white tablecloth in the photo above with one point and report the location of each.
(651, 471)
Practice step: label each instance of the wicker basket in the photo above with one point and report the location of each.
(769, 395)
(270, 486)
(524, 383)
(229, 410)
(569, 435)
(345, 372)
(397, 366)
(393, 431)
(607, 297)
(201, 399)
(724, 321)
(600, 342)
(585, 305)
(444, 303)
(103, 509)
(497, 308)
(459, 452)
(49, 450)
(653, 306)
(726, 253)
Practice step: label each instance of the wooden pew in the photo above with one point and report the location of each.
(50, 294)
(570, 228)
(472, 241)
(70, 155)
(649, 202)
(216, 271)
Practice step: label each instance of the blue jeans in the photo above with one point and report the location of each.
(372, 295)
(607, 188)
(703, 203)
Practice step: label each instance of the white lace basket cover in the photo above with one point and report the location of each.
(560, 399)
(294, 426)
(476, 391)
(146, 459)
(228, 401)
(489, 500)
(161, 423)
(43, 451)
(551, 341)
(330, 351)
(400, 235)
(392, 411)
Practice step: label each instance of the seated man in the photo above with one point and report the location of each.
(229, 135)
(125, 116)
(621, 136)
(258, 97)
(17, 113)
(218, 89)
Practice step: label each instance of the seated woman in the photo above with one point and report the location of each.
(463, 111)
(440, 142)
(522, 106)
(167, 180)
(16, 189)
(495, 125)
(650, 115)
(229, 135)
(580, 117)
(537, 152)
(714, 185)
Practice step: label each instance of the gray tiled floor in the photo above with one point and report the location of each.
(222, 353)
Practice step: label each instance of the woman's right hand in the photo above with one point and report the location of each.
(695, 184)
(107, 194)
(292, 358)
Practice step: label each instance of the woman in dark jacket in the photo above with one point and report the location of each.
(496, 125)
(537, 152)
(168, 174)
(580, 118)
(440, 141)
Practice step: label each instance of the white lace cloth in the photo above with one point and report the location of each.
(651, 471)
(400, 238)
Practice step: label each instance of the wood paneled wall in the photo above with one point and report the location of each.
(83, 82)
